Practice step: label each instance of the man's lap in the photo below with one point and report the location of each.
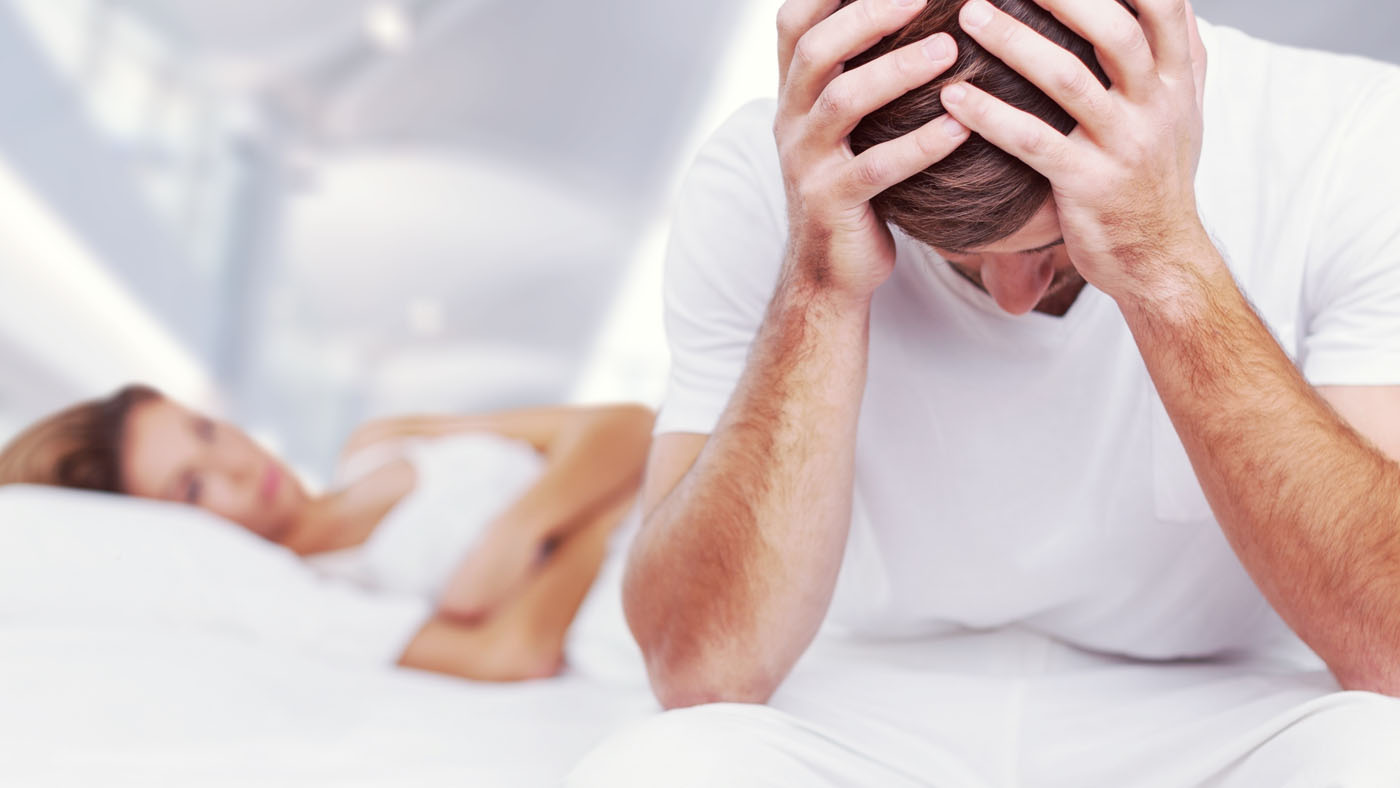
(1012, 708)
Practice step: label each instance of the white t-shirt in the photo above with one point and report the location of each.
(1023, 469)
(463, 482)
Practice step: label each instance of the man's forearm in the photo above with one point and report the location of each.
(734, 572)
(1311, 507)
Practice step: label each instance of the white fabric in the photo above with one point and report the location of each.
(599, 643)
(463, 482)
(83, 559)
(1014, 708)
(157, 708)
(1023, 469)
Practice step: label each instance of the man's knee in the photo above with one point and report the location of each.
(720, 744)
(1349, 741)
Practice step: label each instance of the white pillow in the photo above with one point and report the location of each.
(74, 557)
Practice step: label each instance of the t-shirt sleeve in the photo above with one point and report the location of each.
(1353, 332)
(726, 248)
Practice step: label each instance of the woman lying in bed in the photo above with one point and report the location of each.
(502, 519)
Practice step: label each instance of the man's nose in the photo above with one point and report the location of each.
(1017, 283)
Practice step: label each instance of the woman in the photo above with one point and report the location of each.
(504, 518)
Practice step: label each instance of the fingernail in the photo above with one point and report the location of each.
(976, 14)
(952, 127)
(954, 94)
(939, 48)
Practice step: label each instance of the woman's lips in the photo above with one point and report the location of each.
(272, 481)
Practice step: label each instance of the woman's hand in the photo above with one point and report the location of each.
(1124, 180)
(494, 571)
(836, 242)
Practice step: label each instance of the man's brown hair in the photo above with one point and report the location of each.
(80, 447)
(979, 194)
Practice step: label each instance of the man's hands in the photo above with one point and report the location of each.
(836, 242)
(1124, 180)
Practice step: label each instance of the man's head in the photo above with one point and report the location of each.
(979, 194)
(984, 210)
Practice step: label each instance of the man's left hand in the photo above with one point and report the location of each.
(1124, 180)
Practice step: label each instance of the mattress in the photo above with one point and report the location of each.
(122, 706)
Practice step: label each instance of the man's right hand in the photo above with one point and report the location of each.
(735, 566)
(836, 242)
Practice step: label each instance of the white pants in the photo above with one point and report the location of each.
(1013, 708)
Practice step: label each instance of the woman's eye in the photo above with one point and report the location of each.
(193, 490)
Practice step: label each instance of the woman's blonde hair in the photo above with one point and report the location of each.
(79, 447)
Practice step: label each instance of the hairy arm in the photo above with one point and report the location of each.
(732, 575)
(734, 569)
(1311, 505)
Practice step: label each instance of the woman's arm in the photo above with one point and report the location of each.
(592, 455)
(525, 639)
(595, 457)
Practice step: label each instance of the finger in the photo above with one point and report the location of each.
(1117, 37)
(1168, 28)
(855, 94)
(1050, 67)
(1200, 59)
(821, 51)
(795, 18)
(1020, 134)
(900, 159)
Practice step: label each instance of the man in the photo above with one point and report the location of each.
(1083, 414)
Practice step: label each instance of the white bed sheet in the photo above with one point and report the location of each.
(86, 707)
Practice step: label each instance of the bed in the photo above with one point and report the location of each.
(123, 662)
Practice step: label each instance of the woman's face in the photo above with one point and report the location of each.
(172, 453)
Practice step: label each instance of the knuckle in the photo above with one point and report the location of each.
(1075, 82)
(932, 148)
(1010, 35)
(974, 107)
(806, 53)
(1127, 38)
(905, 66)
(836, 100)
(788, 25)
(1137, 147)
(1034, 142)
(925, 143)
(869, 17)
(869, 171)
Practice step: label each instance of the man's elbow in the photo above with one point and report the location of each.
(690, 670)
(1381, 682)
(684, 683)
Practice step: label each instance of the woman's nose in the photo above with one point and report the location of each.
(238, 466)
(1017, 283)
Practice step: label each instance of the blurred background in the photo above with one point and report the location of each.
(305, 213)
